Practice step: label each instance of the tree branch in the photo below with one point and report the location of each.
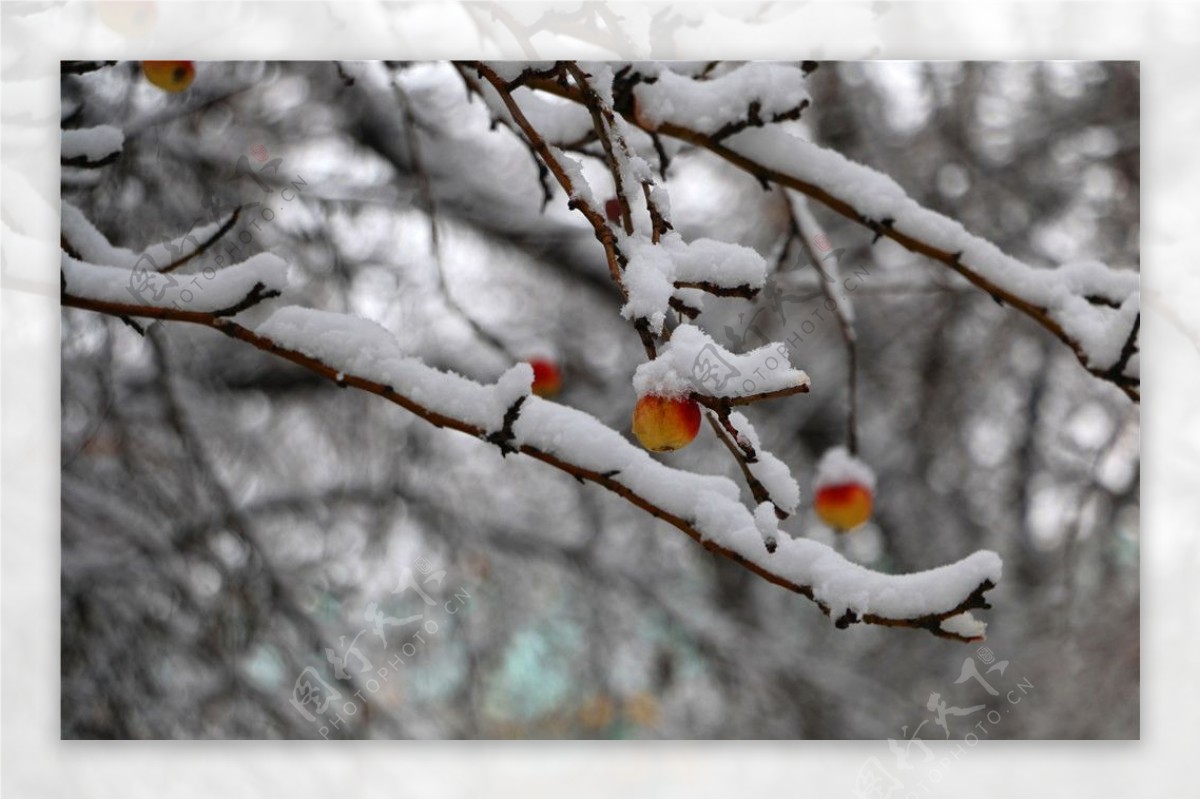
(882, 228)
(930, 622)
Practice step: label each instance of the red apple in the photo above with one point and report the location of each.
(662, 424)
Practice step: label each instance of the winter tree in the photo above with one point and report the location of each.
(597, 399)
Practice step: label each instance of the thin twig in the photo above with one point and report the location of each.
(844, 324)
(204, 246)
(426, 190)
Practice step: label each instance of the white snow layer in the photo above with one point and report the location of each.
(92, 144)
(767, 522)
(365, 349)
(710, 504)
(770, 471)
(693, 362)
(94, 248)
(838, 467)
(965, 625)
(1100, 330)
(654, 269)
(706, 106)
(210, 290)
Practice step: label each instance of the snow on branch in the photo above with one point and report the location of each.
(655, 269)
(362, 354)
(87, 243)
(94, 270)
(91, 147)
(749, 95)
(693, 364)
(220, 292)
(1092, 308)
(1074, 302)
(657, 273)
(768, 470)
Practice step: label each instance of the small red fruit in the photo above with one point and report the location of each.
(547, 380)
(663, 424)
(612, 209)
(170, 76)
(844, 506)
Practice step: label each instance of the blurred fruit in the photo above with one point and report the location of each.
(596, 713)
(170, 76)
(642, 709)
(844, 506)
(547, 380)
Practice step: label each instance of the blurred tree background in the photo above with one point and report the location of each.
(228, 517)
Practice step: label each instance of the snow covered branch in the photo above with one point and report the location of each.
(569, 175)
(361, 354)
(91, 148)
(1091, 308)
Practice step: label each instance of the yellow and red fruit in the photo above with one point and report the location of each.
(844, 506)
(170, 76)
(547, 380)
(663, 424)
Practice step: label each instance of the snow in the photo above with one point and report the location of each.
(1061, 292)
(770, 471)
(558, 120)
(92, 144)
(581, 190)
(210, 290)
(965, 625)
(711, 505)
(692, 362)
(723, 264)
(706, 106)
(768, 524)
(653, 270)
(365, 349)
(838, 467)
(93, 247)
(649, 285)
(354, 347)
